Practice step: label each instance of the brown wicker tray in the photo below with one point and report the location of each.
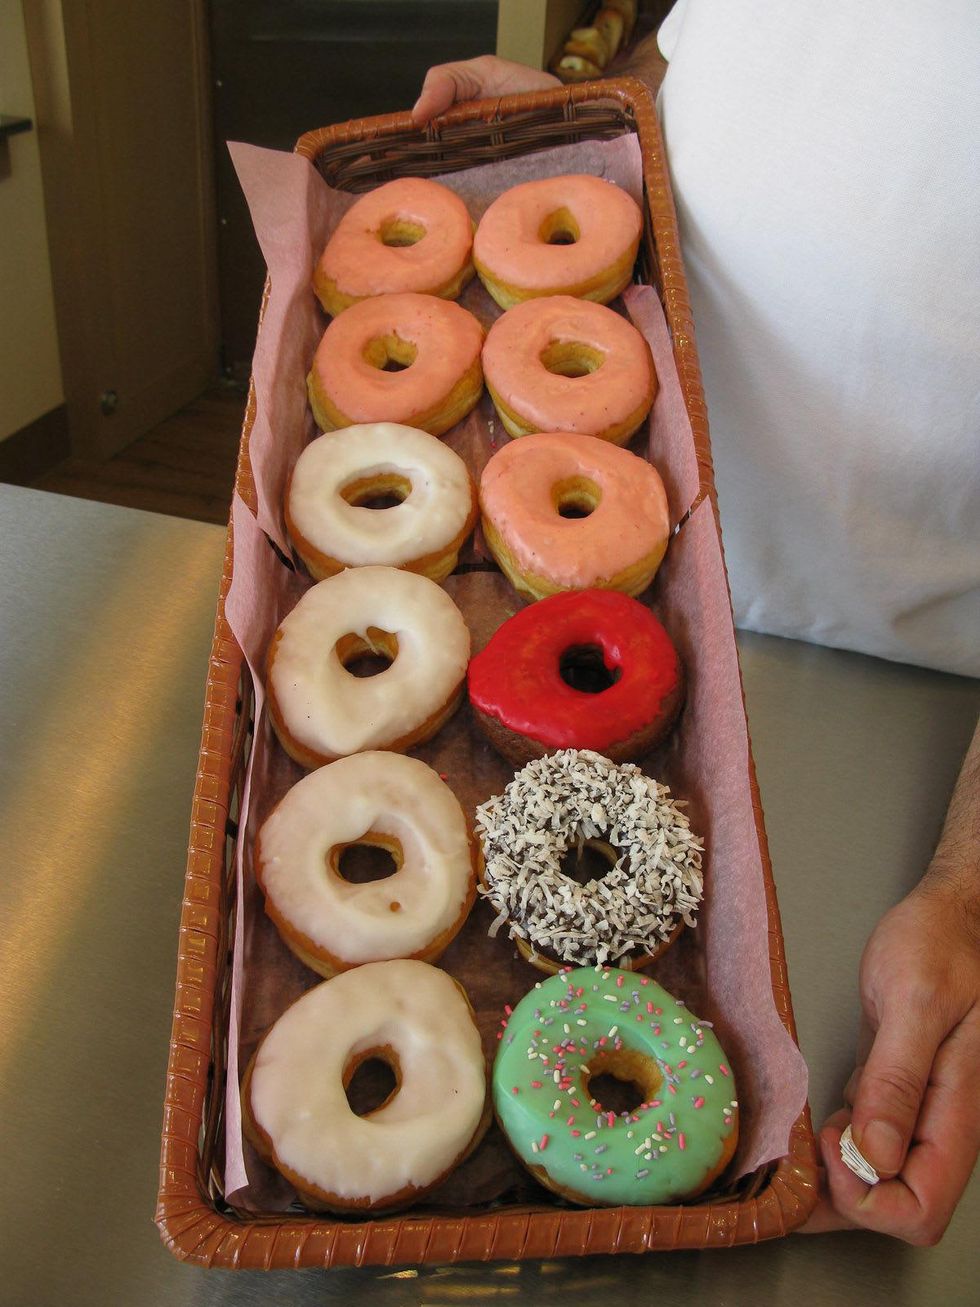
(194, 1220)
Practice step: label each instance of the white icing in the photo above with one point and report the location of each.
(297, 1092)
(329, 710)
(575, 795)
(393, 795)
(425, 522)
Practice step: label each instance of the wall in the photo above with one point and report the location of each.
(30, 373)
(531, 31)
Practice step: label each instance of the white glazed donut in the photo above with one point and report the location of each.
(296, 1111)
(388, 801)
(338, 473)
(320, 711)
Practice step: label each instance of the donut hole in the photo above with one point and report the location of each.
(375, 856)
(390, 353)
(398, 232)
(584, 668)
(621, 1079)
(559, 228)
(575, 497)
(368, 654)
(588, 860)
(383, 490)
(570, 358)
(371, 1080)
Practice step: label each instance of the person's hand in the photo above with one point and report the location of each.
(913, 1104)
(475, 79)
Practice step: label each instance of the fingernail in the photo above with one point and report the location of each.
(883, 1146)
(855, 1160)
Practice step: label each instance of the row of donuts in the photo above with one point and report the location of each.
(551, 364)
(397, 350)
(572, 235)
(559, 511)
(372, 797)
(671, 1144)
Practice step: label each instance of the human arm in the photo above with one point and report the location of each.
(919, 1055)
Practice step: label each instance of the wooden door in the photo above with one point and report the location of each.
(122, 95)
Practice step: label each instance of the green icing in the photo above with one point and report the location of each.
(571, 1026)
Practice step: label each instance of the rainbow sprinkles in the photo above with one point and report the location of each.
(590, 1022)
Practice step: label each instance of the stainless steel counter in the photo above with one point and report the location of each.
(107, 617)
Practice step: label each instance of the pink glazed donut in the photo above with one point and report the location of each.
(563, 364)
(408, 235)
(573, 235)
(568, 512)
(433, 346)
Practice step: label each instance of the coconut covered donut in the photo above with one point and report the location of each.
(580, 1031)
(295, 1108)
(379, 800)
(380, 494)
(559, 803)
(413, 359)
(563, 364)
(574, 235)
(321, 711)
(408, 235)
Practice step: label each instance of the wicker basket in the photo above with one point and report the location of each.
(195, 1222)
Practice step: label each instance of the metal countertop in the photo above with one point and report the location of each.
(107, 616)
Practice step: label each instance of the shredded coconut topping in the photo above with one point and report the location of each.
(562, 800)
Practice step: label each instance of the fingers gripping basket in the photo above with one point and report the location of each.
(195, 1221)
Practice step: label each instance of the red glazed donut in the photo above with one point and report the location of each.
(592, 669)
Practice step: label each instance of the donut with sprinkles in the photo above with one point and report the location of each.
(590, 1034)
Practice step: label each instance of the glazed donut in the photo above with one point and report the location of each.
(588, 670)
(570, 799)
(295, 1107)
(329, 512)
(533, 494)
(320, 711)
(435, 344)
(575, 235)
(679, 1128)
(381, 800)
(408, 235)
(563, 364)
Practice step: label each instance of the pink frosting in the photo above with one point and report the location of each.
(447, 339)
(630, 521)
(589, 405)
(508, 240)
(360, 264)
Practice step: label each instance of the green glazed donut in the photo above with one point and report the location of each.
(591, 1022)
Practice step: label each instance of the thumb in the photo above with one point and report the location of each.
(891, 1089)
(439, 92)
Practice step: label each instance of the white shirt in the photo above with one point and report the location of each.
(826, 168)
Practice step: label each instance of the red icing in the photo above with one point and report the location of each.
(517, 678)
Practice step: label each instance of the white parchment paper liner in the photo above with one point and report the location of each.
(722, 968)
